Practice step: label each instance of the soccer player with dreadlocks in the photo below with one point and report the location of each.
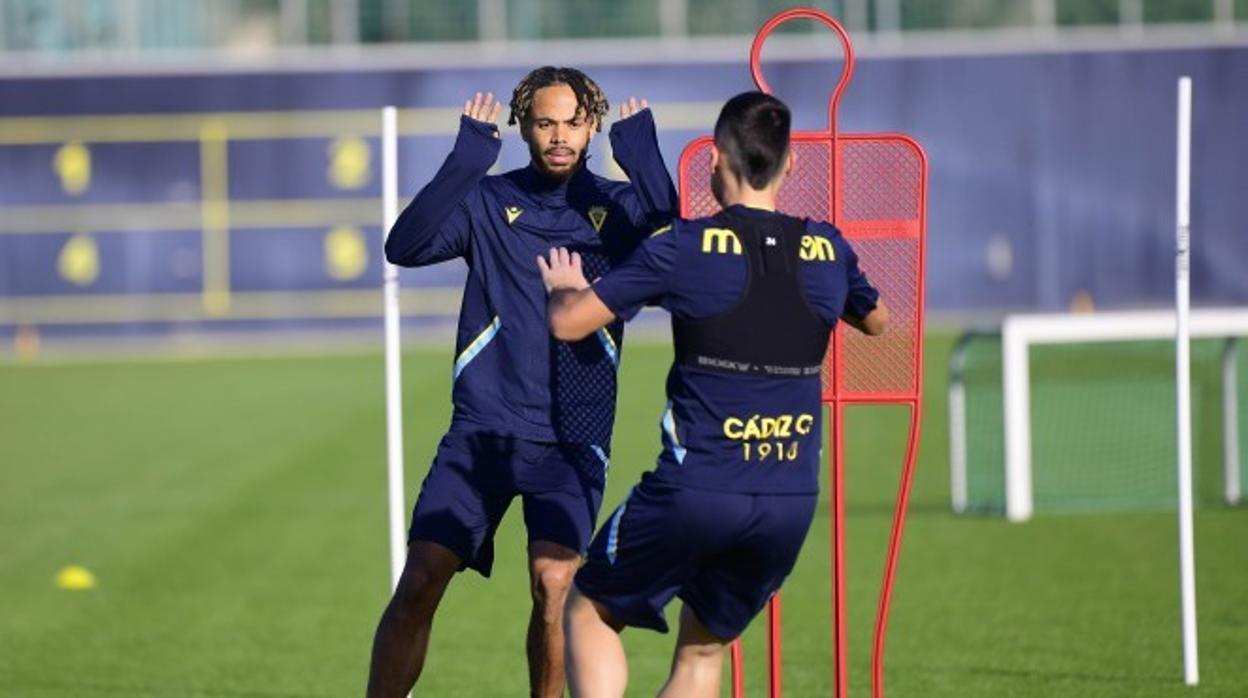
(532, 415)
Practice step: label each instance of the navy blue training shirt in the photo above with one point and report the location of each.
(726, 431)
(510, 376)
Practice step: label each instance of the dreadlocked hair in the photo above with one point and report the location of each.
(589, 97)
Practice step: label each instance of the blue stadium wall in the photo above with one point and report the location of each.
(1051, 177)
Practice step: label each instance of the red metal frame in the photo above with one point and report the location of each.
(836, 394)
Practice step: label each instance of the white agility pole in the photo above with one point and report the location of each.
(1230, 422)
(1187, 565)
(394, 384)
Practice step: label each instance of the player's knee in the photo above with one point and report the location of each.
(419, 590)
(551, 582)
(582, 610)
(700, 657)
(706, 652)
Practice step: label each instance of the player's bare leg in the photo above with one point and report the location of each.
(551, 569)
(597, 667)
(698, 663)
(402, 637)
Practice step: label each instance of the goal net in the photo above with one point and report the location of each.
(1092, 423)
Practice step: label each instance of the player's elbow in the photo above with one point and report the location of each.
(565, 329)
(392, 252)
(876, 321)
(397, 252)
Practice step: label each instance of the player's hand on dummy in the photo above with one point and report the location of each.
(484, 109)
(632, 106)
(563, 272)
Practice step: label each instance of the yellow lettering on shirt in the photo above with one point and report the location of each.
(817, 249)
(720, 241)
(764, 437)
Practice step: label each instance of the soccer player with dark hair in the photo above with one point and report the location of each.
(754, 296)
(532, 416)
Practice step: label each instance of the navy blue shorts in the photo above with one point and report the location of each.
(723, 554)
(475, 476)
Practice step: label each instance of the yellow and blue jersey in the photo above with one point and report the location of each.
(510, 376)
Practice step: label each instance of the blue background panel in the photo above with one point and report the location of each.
(1051, 174)
(129, 262)
(295, 168)
(119, 173)
(295, 260)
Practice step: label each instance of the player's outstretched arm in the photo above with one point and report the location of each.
(573, 309)
(635, 146)
(874, 323)
(435, 225)
(863, 308)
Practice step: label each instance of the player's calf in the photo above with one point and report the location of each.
(597, 667)
(402, 636)
(551, 569)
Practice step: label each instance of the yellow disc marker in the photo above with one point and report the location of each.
(75, 578)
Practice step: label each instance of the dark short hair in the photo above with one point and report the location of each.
(589, 97)
(753, 133)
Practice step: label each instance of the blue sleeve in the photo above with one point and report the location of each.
(862, 296)
(635, 146)
(642, 278)
(435, 225)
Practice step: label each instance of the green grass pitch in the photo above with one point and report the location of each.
(234, 513)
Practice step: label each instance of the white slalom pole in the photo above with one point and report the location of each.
(1230, 422)
(394, 383)
(1187, 555)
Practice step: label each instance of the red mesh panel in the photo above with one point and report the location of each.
(885, 365)
(882, 182)
(881, 212)
(881, 190)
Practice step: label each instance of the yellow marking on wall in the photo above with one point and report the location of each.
(72, 164)
(215, 215)
(172, 217)
(95, 309)
(720, 241)
(280, 125)
(350, 162)
(186, 127)
(79, 260)
(346, 257)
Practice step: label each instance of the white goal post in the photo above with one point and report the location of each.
(1020, 332)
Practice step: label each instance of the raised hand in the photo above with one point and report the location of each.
(484, 109)
(632, 106)
(563, 272)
